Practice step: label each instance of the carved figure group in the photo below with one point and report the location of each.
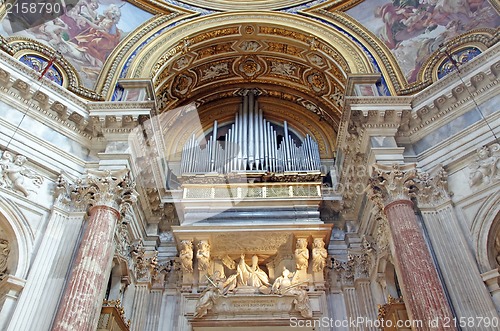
(14, 175)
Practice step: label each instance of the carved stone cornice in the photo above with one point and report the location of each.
(390, 183)
(114, 189)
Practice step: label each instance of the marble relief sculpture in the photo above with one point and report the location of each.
(14, 175)
(319, 255)
(203, 255)
(485, 169)
(186, 256)
(4, 255)
(301, 254)
(210, 295)
(252, 275)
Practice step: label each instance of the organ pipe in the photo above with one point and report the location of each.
(250, 144)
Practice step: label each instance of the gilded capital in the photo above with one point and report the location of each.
(390, 183)
(113, 189)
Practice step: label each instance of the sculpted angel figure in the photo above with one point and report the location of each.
(186, 256)
(319, 255)
(18, 176)
(210, 295)
(301, 254)
(203, 255)
(486, 167)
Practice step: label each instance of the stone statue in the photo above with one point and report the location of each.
(486, 167)
(252, 275)
(203, 255)
(16, 176)
(301, 254)
(283, 282)
(186, 256)
(4, 255)
(319, 255)
(210, 295)
(287, 285)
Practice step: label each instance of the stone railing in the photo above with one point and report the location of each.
(251, 191)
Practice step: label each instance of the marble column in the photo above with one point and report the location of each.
(391, 188)
(108, 194)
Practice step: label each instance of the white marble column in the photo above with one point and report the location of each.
(38, 303)
(352, 306)
(169, 307)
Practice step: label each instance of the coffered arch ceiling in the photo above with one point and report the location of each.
(295, 64)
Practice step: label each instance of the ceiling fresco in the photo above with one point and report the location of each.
(414, 29)
(86, 35)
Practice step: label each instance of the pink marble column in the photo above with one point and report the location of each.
(423, 292)
(81, 303)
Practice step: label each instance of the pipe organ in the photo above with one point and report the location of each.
(251, 144)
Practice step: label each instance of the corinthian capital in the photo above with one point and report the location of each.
(114, 189)
(390, 183)
(432, 188)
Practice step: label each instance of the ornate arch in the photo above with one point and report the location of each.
(485, 226)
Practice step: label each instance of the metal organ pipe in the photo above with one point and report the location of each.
(250, 143)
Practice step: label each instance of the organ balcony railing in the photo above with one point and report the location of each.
(113, 317)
